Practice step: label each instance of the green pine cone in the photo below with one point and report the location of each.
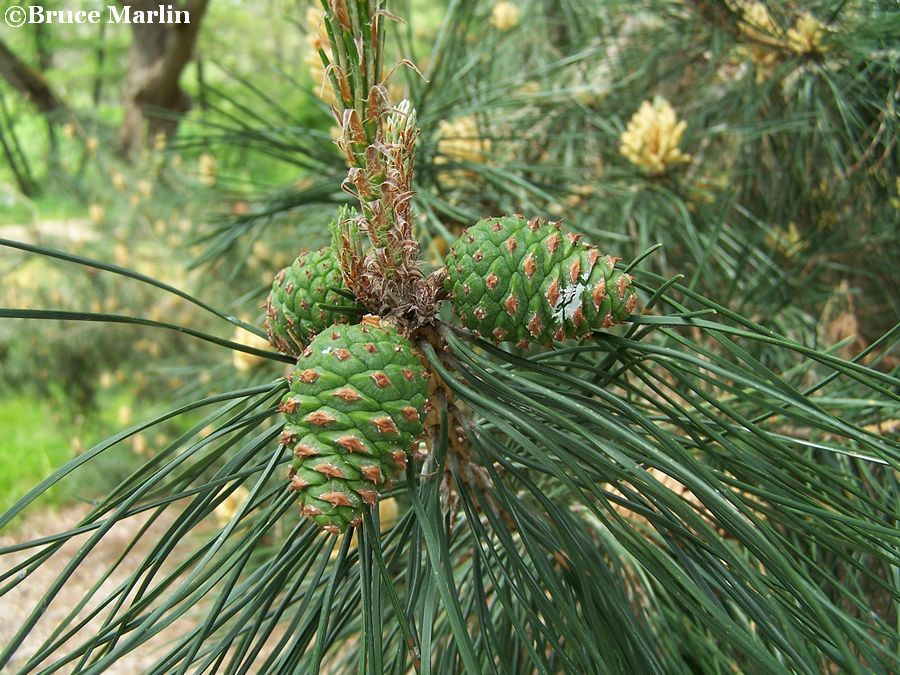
(293, 311)
(354, 410)
(527, 281)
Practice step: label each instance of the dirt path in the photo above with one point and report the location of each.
(70, 230)
(15, 605)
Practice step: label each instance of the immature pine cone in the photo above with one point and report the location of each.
(293, 312)
(354, 411)
(528, 281)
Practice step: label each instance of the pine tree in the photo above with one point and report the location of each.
(704, 488)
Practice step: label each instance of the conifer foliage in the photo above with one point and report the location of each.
(599, 465)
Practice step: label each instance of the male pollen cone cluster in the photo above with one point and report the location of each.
(651, 139)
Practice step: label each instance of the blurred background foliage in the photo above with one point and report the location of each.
(781, 204)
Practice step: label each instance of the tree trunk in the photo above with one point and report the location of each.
(153, 95)
(28, 81)
(45, 62)
(31, 83)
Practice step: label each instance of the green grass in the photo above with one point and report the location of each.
(49, 205)
(31, 446)
(36, 441)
